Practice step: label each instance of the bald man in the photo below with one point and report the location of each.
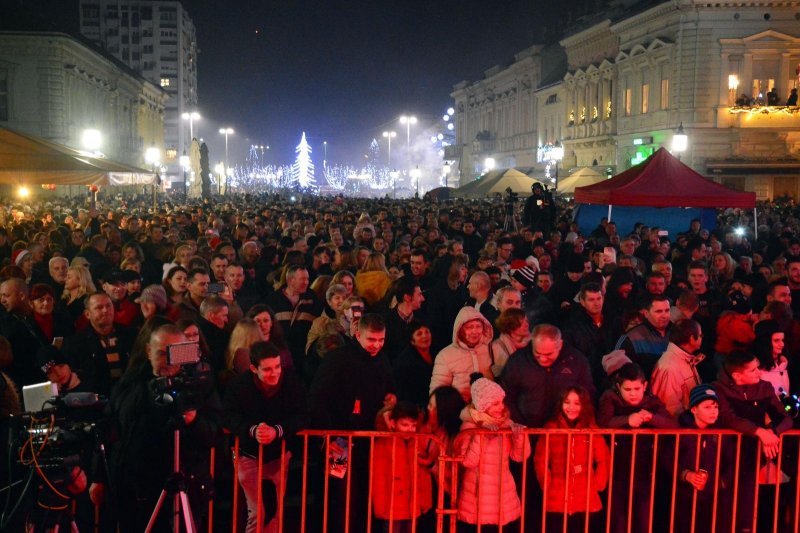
(480, 296)
(22, 332)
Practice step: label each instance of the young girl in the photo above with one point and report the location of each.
(486, 461)
(572, 469)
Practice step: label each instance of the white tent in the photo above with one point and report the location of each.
(579, 178)
(496, 181)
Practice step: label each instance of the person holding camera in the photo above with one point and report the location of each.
(540, 209)
(264, 406)
(141, 458)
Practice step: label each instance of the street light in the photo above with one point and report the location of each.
(556, 154)
(92, 139)
(408, 121)
(680, 141)
(325, 159)
(185, 161)
(415, 173)
(219, 168)
(226, 132)
(191, 117)
(389, 135)
(152, 156)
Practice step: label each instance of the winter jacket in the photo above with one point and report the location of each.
(349, 389)
(594, 342)
(743, 408)
(574, 455)
(674, 377)
(442, 307)
(295, 320)
(372, 286)
(532, 390)
(412, 374)
(245, 406)
(644, 345)
(734, 332)
(500, 353)
(486, 468)
(394, 486)
(455, 363)
(777, 375)
(614, 413)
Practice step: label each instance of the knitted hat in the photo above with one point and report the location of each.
(702, 393)
(532, 262)
(485, 392)
(526, 276)
(155, 294)
(20, 255)
(615, 360)
(739, 303)
(130, 275)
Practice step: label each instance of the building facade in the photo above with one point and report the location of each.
(55, 87)
(158, 40)
(639, 71)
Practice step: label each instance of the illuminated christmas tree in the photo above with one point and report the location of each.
(303, 167)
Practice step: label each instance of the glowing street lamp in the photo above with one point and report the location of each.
(92, 139)
(219, 168)
(325, 159)
(680, 141)
(23, 192)
(389, 135)
(191, 117)
(408, 121)
(226, 132)
(556, 155)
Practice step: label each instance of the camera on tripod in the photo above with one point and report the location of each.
(510, 199)
(191, 380)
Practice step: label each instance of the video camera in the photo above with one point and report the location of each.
(61, 432)
(193, 379)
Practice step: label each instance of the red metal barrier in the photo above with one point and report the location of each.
(646, 471)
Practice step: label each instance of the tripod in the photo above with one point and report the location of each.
(512, 221)
(175, 486)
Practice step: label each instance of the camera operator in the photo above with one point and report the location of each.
(264, 406)
(540, 209)
(142, 457)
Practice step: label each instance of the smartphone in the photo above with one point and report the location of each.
(58, 341)
(215, 288)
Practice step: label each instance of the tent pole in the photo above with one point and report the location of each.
(609, 212)
(755, 222)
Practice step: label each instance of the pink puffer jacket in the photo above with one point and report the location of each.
(486, 474)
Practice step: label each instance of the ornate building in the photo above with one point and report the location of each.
(639, 70)
(54, 86)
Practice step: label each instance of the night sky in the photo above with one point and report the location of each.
(343, 71)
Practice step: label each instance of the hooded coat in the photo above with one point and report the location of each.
(456, 362)
(674, 377)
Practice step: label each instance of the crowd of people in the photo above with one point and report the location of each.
(421, 318)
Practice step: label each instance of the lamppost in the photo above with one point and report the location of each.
(415, 173)
(191, 117)
(408, 121)
(325, 159)
(226, 132)
(220, 170)
(152, 156)
(185, 165)
(556, 154)
(389, 135)
(680, 141)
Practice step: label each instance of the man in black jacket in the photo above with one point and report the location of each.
(264, 407)
(587, 331)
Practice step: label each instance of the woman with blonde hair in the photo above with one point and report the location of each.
(237, 355)
(373, 280)
(77, 287)
(346, 278)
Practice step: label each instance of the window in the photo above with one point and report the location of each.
(4, 94)
(665, 93)
(627, 103)
(147, 49)
(552, 99)
(147, 13)
(165, 82)
(645, 97)
(90, 11)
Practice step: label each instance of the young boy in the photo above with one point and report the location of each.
(749, 405)
(629, 405)
(697, 474)
(399, 476)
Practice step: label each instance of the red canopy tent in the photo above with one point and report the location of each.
(663, 181)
